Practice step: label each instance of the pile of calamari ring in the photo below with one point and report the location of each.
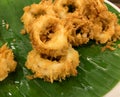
(55, 26)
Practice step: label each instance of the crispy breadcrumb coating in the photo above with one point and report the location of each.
(7, 63)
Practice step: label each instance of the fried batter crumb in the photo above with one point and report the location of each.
(7, 26)
(23, 31)
(14, 40)
(118, 45)
(30, 77)
(7, 63)
(109, 46)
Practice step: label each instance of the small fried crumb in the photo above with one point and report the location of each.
(30, 77)
(14, 40)
(92, 45)
(23, 31)
(118, 45)
(108, 46)
(7, 26)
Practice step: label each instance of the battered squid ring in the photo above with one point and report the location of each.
(80, 30)
(53, 69)
(7, 62)
(49, 36)
(64, 8)
(93, 8)
(104, 29)
(34, 11)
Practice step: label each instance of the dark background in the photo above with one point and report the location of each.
(116, 2)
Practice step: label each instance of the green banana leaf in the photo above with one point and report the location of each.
(98, 72)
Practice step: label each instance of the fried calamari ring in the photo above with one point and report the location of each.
(80, 30)
(53, 69)
(34, 11)
(104, 22)
(104, 28)
(67, 7)
(93, 8)
(49, 36)
(7, 63)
